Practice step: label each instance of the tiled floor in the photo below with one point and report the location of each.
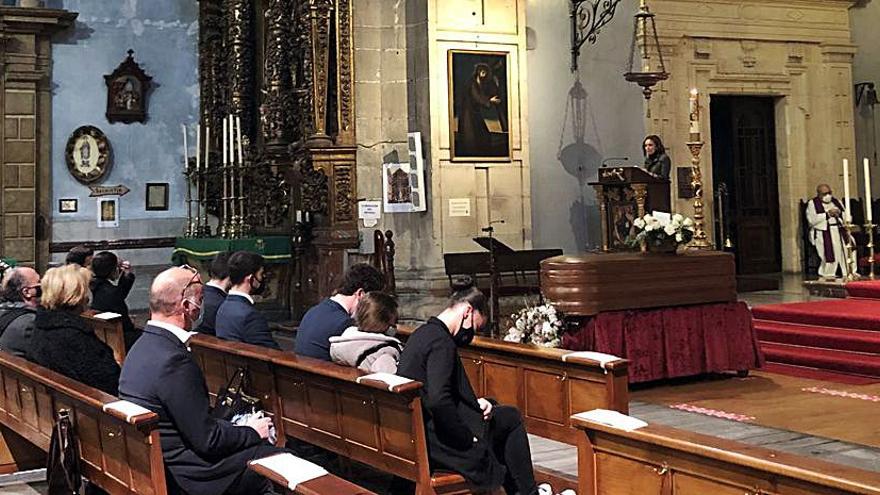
(791, 289)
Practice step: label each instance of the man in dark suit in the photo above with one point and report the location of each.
(110, 287)
(237, 319)
(215, 292)
(204, 455)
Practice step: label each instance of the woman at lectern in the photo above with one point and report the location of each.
(657, 161)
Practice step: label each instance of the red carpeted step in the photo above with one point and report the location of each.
(861, 314)
(842, 361)
(843, 339)
(869, 289)
(817, 374)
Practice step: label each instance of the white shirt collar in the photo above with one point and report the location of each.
(245, 295)
(216, 286)
(178, 332)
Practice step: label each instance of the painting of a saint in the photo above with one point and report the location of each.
(479, 105)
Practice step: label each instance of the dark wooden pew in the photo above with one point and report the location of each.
(662, 460)
(326, 485)
(109, 331)
(119, 455)
(546, 389)
(322, 403)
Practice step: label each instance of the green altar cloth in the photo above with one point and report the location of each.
(275, 249)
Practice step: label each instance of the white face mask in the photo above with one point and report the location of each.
(826, 198)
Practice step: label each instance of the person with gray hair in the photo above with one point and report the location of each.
(21, 292)
(204, 455)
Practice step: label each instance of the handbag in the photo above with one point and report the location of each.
(62, 468)
(233, 399)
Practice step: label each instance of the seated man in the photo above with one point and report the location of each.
(21, 297)
(333, 315)
(827, 217)
(237, 319)
(215, 291)
(81, 255)
(203, 455)
(110, 287)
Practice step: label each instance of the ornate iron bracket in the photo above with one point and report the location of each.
(587, 19)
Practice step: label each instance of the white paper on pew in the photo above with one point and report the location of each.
(388, 378)
(291, 468)
(129, 409)
(613, 419)
(595, 356)
(107, 315)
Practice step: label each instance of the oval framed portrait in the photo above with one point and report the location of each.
(88, 154)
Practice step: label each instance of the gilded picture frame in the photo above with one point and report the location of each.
(88, 154)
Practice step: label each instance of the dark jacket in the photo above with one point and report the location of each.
(213, 298)
(204, 455)
(659, 164)
(239, 321)
(324, 320)
(109, 297)
(452, 415)
(16, 336)
(64, 343)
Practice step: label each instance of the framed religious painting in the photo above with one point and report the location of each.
(108, 213)
(127, 90)
(479, 106)
(157, 196)
(88, 154)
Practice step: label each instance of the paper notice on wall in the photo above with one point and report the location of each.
(370, 212)
(460, 207)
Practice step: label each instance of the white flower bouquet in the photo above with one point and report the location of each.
(539, 325)
(660, 230)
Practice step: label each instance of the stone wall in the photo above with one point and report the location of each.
(865, 16)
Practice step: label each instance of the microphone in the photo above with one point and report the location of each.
(621, 158)
(490, 228)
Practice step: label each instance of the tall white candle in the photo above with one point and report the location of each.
(238, 136)
(224, 142)
(868, 213)
(846, 185)
(198, 146)
(231, 139)
(694, 111)
(207, 146)
(185, 152)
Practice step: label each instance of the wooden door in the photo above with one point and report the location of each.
(744, 159)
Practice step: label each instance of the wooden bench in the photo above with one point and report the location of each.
(121, 456)
(667, 461)
(546, 389)
(110, 332)
(326, 485)
(323, 404)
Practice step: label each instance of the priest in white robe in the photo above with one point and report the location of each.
(826, 216)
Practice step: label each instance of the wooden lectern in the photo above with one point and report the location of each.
(624, 194)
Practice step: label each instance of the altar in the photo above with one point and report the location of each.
(671, 315)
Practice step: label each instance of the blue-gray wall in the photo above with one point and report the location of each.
(164, 36)
(564, 211)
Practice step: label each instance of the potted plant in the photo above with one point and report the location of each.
(662, 232)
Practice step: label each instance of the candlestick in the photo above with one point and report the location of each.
(205, 229)
(207, 146)
(694, 114)
(224, 158)
(299, 215)
(185, 151)
(868, 213)
(846, 184)
(198, 146)
(238, 135)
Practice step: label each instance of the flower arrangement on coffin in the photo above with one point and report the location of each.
(662, 231)
(539, 325)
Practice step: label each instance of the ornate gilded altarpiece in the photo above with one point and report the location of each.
(285, 67)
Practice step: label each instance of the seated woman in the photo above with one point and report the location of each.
(471, 436)
(62, 341)
(367, 346)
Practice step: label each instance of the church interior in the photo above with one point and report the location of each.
(655, 215)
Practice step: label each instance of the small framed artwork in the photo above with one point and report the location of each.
(479, 106)
(157, 196)
(108, 212)
(684, 176)
(68, 205)
(127, 90)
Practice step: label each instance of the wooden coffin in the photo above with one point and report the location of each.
(587, 284)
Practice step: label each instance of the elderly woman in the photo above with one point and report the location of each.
(62, 341)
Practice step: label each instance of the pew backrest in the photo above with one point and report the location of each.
(547, 385)
(661, 459)
(109, 331)
(121, 455)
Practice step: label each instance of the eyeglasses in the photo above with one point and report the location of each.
(194, 280)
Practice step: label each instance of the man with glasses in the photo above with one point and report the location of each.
(21, 296)
(237, 319)
(204, 455)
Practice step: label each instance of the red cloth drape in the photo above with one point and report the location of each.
(673, 342)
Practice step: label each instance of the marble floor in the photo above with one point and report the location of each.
(791, 289)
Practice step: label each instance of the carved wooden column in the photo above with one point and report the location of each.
(276, 107)
(240, 67)
(345, 73)
(319, 16)
(211, 66)
(25, 82)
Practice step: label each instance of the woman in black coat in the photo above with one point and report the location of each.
(471, 436)
(62, 341)
(656, 160)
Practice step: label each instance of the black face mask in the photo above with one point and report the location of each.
(465, 335)
(256, 291)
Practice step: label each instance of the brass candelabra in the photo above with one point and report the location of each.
(869, 229)
(701, 239)
(852, 262)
